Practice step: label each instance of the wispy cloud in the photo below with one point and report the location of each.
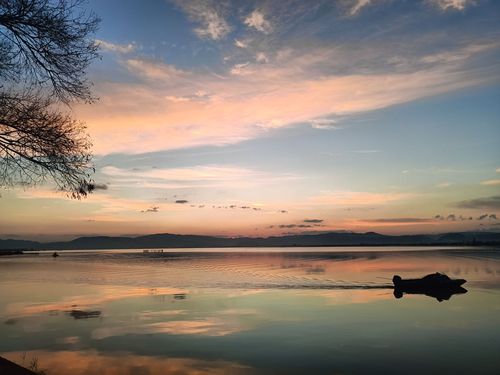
(355, 198)
(324, 123)
(240, 43)
(209, 14)
(459, 54)
(443, 184)
(399, 220)
(491, 182)
(113, 47)
(153, 69)
(452, 4)
(357, 5)
(240, 69)
(491, 203)
(198, 173)
(208, 176)
(257, 98)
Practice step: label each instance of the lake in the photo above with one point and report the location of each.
(249, 311)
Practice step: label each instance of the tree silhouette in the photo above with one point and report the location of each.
(45, 49)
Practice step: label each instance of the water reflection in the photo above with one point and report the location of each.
(80, 314)
(276, 313)
(439, 294)
(94, 363)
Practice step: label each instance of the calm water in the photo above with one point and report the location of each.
(264, 312)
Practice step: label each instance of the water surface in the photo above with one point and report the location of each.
(247, 311)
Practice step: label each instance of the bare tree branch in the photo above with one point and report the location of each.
(47, 42)
(37, 142)
(45, 49)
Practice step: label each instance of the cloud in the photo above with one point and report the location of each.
(209, 14)
(314, 221)
(240, 69)
(181, 201)
(97, 186)
(311, 84)
(357, 5)
(153, 70)
(497, 170)
(152, 209)
(458, 54)
(489, 203)
(443, 185)
(487, 216)
(204, 176)
(295, 226)
(196, 173)
(323, 123)
(119, 48)
(401, 220)
(177, 99)
(452, 4)
(240, 43)
(257, 21)
(200, 176)
(104, 204)
(453, 217)
(491, 182)
(353, 198)
(234, 206)
(261, 57)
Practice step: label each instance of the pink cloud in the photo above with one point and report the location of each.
(165, 111)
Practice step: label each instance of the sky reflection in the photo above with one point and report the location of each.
(250, 313)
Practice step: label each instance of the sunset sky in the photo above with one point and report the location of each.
(262, 118)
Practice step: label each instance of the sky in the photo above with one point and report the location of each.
(272, 117)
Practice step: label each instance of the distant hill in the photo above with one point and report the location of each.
(167, 240)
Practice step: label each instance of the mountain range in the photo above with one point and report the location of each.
(167, 240)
